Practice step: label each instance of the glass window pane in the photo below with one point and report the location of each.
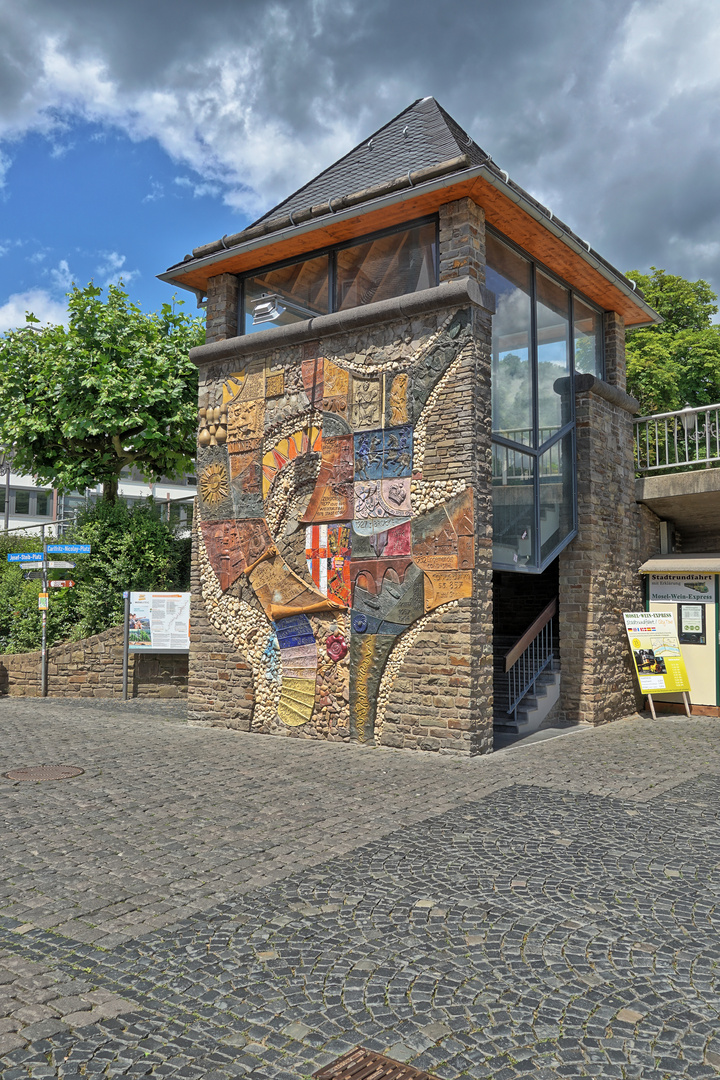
(42, 504)
(553, 338)
(508, 276)
(588, 339)
(389, 266)
(22, 502)
(556, 495)
(513, 507)
(2, 499)
(303, 285)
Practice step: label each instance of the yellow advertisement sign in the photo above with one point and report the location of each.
(656, 652)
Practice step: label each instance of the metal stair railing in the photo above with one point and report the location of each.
(529, 657)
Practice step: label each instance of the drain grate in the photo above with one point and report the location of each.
(362, 1064)
(44, 772)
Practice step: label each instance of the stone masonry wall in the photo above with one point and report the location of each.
(297, 394)
(221, 316)
(93, 667)
(220, 689)
(598, 571)
(462, 241)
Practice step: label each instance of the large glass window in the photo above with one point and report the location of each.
(298, 292)
(374, 268)
(43, 504)
(557, 495)
(513, 507)
(22, 502)
(542, 334)
(508, 275)
(588, 333)
(388, 266)
(553, 348)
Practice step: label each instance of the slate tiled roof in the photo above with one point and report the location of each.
(421, 135)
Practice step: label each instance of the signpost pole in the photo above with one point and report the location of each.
(126, 644)
(43, 650)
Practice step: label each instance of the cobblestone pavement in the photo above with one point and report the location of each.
(203, 903)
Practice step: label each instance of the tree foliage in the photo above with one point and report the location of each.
(114, 389)
(677, 362)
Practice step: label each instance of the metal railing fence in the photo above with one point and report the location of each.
(675, 440)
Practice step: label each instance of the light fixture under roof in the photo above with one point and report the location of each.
(271, 306)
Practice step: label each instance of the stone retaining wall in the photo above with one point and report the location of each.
(93, 667)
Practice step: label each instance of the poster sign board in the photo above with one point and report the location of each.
(159, 622)
(682, 588)
(656, 652)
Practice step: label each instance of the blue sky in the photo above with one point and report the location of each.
(99, 206)
(131, 133)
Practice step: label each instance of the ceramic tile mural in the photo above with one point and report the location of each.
(383, 547)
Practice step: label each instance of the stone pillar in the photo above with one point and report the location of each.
(598, 571)
(222, 307)
(615, 366)
(462, 241)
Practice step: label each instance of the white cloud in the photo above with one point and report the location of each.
(606, 110)
(198, 189)
(39, 302)
(155, 193)
(61, 277)
(112, 269)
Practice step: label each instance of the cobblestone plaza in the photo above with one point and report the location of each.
(208, 903)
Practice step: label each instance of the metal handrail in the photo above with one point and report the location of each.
(676, 440)
(529, 657)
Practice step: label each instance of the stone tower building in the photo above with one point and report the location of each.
(415, 473)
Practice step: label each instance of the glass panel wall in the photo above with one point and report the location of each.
(370, 269)
(513, 507)
(22, 502)
(387, 266)
(557, 495)
(508, 275)
(588, 334)
(553, 349)
(300, 291)
(542, 334)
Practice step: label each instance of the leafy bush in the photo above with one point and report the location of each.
(131, 549)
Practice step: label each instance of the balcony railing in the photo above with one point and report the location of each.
(678, 440)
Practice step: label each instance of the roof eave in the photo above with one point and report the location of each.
(175, 274)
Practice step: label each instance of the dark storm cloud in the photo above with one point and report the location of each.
(605, 110)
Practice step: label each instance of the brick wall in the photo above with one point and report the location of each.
(93, 667)
(222, 307)
(462, 241)
(598, 571)
(220, 688)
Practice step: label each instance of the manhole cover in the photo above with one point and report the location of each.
(362, 1064)
(44, 772)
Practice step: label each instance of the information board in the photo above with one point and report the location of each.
(682, 588)
(159, 622)
(656, 652)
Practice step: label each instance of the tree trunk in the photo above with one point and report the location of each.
(110, 490)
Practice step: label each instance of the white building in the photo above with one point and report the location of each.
(33, 505)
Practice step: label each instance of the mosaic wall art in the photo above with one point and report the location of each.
(313, 508)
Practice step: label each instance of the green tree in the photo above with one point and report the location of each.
(114, 389)
(678, 361)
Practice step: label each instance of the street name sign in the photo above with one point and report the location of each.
(68, 549)
(25, 556)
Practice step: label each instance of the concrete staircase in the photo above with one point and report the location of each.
(534, 707)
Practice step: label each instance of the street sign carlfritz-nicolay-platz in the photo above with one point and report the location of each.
(68, 549)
